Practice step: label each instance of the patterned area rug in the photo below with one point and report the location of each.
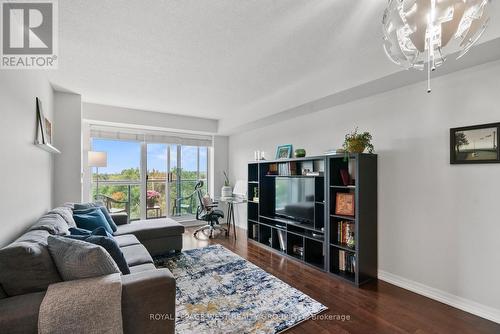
(220, 292)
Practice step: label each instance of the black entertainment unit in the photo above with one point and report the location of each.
(291, 210)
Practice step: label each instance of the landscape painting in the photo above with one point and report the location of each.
(475, 144)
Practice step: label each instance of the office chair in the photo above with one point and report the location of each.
(207, 212)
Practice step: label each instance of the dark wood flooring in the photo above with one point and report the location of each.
(376, 307)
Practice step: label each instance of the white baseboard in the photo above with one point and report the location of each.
(463, 304)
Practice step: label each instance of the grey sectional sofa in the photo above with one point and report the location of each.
(27, 269)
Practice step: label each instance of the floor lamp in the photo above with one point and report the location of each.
(97, 159)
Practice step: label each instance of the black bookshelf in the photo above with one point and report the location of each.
(317, 243)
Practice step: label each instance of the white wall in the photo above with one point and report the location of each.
(68, 139)
(26, 170)
(218, 164)
(439, 225)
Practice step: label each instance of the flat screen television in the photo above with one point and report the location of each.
(295, 199)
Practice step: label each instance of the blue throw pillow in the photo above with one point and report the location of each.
(109, 244)
(110, 220)
(84, 206)
(75, 231)
(90, 219)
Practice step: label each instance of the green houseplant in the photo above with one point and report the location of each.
(358, 142)
(226, 191)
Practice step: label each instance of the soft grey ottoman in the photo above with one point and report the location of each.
(159, 236)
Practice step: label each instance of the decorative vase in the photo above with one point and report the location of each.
(227, 191)
(300, 153)
(355, 146)
(151, 202)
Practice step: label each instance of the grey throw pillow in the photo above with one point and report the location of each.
(66, 214)
(52, 223)
(77, 259)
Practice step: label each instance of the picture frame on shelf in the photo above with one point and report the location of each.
(48, 131)
(44, 130)
(344, 204)
(477, 144)
(41, 135)
(284, 152)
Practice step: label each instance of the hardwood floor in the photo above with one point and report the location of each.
(376, 307)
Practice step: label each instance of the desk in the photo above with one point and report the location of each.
(231, 201)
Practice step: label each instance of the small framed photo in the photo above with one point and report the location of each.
(284, 152)
(48, 131)
(344, 204)
(475, 144)
(41, 132)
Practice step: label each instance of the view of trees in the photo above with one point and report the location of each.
(128, 184)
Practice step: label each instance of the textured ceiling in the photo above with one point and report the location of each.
(236, 61)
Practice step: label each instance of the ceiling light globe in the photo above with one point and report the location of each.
(417, 32)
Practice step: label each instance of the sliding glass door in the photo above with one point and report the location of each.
(120, 180)
(166, 188)
(173, 172)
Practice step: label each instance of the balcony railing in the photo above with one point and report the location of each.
(130, 192)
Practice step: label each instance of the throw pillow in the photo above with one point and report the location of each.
(52, 223)
(66, 214)
(100, 205)
(75, 231)
(109, 244)
(90, 219)
(76, 259)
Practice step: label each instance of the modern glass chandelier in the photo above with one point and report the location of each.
(420, 32)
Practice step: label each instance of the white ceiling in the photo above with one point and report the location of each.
(232, 60)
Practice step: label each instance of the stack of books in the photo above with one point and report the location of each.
(347, 262)
(287, 168)
(344, 229)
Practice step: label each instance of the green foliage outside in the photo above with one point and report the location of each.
(183, 185)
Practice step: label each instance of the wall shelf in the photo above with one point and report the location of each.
(49, 148)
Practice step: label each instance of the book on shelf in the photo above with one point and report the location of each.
(334, 151)
(287, 168)
(273, 169)
(347, 262)
(344, 230)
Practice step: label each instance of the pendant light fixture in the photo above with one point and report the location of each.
(422, 32)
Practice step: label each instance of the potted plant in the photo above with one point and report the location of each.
(358, 142)
(226, 191)
(152, 198)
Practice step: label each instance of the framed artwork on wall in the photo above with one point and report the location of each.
(475, 144)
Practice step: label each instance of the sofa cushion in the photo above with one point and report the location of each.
(52, 223)
(77, 259)
(99, 237)
(26, 264)
(66, 213)
(102, 207)
(145, 230)
(136, 254)
(19, 314)
(142, 267)
(90, 219)
(126, 240)
(120, 218)
(75, 231)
